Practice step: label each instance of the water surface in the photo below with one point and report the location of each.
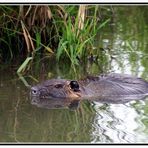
(125, 50)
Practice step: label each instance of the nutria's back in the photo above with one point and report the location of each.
(116, 85)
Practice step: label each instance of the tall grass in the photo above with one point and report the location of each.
(66, 32)
(78, 33)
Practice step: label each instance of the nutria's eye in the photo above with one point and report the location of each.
(58, 86)
(74, 85)
(34, 92)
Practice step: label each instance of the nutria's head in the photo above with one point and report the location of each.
(57, 88)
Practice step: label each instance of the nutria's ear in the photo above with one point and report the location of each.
(74, 85)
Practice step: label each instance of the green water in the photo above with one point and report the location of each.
(124, 46)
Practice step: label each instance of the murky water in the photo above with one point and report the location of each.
(93, 122)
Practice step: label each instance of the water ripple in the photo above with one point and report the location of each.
(118, 123)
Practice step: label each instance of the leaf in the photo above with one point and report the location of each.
(49, 49)
(38, 39)
(61, 48)
(24, 65)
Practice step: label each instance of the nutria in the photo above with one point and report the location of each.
(104, 86)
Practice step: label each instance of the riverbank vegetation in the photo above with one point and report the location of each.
(65, 32)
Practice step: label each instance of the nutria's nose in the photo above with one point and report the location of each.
(34, 90)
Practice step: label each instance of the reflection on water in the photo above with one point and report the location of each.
(54, 103)
(93, 122)
(119, 124)
(59, 103)
(124, 51)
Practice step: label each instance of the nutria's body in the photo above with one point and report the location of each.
(111, 85)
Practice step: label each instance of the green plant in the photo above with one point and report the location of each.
(78, 33)
(66, 31)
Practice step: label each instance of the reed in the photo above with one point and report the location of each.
(78, 33)
(68, 32)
